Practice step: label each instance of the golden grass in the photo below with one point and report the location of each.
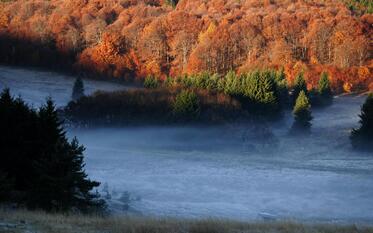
(40, 222)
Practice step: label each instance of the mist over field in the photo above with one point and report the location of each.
(232, 171)
(35, 86)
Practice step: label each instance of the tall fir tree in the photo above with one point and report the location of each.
(232, 83)
(302, 113)
(45, 170)
(324, 88)
(78, 89)
(362, 137)
(260, 88)
(186, 106)
(299, 85)
(282, 87)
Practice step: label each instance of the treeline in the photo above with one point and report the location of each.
(261, 91)
(17, 51)
(200, 98)
(208, 99)
(39, 167)
(360, 6)
(154, 106)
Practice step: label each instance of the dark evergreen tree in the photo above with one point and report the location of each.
(282, 88)
(362, 137)
(261, 90)
(186, 106)
(324, 89)
(302, 113)
(151, 82)
(232, 84)
(46, 170)
(6, 184)
(19, 140)
(299, 85)
(78, 89)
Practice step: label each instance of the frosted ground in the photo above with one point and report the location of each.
(228, 171)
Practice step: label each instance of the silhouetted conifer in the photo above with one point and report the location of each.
(362, 137)
(78, 89)
(46, 170)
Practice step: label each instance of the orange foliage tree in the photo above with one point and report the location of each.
(122, 38)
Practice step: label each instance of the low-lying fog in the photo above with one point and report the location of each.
(232, 171)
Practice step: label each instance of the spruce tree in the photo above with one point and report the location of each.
(151, 82)
(299, 85)
(42, 166)
(232, 83)
(324, 88)
(260, 88)
(302, 113)
(362, 137)
(186, 106)
(282, 88)
(78, 89)
(61, 182)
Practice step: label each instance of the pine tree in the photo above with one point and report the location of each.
(260, 89)
(19, 140)
(362, 137)
(324, 88)
(232, 83)
(299, 85)
(151, 82)
(282, 88)
(78, 89)
(186, 106)
(61, 182)
(42, 166)
(302, 113)
(50, 126)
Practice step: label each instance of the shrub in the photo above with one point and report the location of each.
(186, 106)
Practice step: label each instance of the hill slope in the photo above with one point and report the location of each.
(126, 38)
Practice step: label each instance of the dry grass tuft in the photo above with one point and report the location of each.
(22, 221)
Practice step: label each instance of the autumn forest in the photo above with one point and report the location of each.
(131, 39)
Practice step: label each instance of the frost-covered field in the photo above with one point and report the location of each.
(34, 86)
(223, 171)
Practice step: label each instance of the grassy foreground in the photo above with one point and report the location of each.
(40, 222)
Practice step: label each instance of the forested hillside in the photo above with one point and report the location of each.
(134, 38)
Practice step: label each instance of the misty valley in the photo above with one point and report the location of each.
(237, 170)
